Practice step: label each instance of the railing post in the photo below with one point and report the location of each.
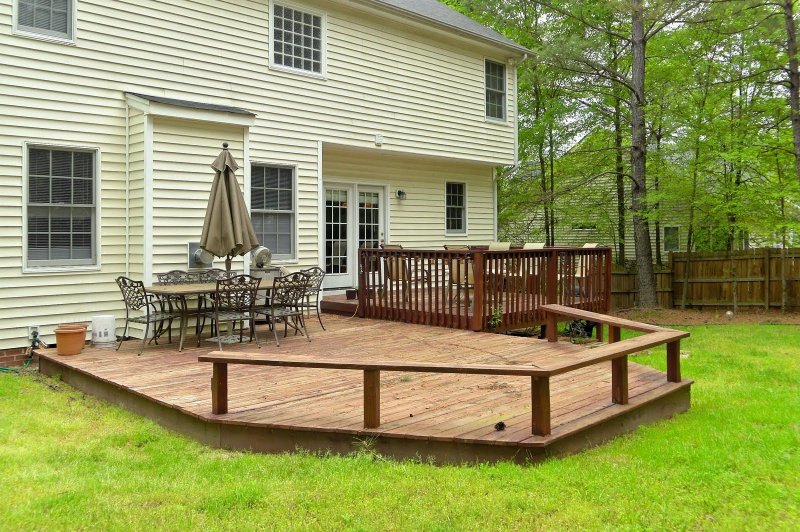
(540, 405)
(552, 277)
(551, 326)
(619, 371)
(363, 261)
(674, 361)
(478, 272)
(372, 398)
(608, 281)
(219, 388)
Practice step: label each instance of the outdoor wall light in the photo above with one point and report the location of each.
(401, 194)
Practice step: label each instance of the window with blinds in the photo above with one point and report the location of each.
(272, 208)
(297, 39)
(495, 90)
(52, 18)
(61, 207)
(455, 208)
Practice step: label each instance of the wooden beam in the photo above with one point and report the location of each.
(619, 380)
(478, 318)
(540, 405)
(674, 361)
(552, 327)
(219, 388)
(372, 399)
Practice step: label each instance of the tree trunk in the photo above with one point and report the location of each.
(794, 79)
(641, 230)
(552, 156)
(619, 169)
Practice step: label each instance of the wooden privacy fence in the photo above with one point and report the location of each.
(750, 278)
(625, 288)
(762, 277)
(481, 289)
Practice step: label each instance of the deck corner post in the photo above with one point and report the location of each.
(552, 277)
(613, 334)
(540, 405)
(674, 361)
(372, 398)
(619, 380)
(478, 322)
(219, 388)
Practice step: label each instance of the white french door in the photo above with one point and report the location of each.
(354, 217)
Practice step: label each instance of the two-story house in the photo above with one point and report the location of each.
(355, 122)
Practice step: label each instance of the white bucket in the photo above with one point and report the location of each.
(104, 331)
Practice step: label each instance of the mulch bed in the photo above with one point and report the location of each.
(708, 317)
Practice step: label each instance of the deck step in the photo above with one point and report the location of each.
(339, 304)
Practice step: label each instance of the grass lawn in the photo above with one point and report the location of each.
(731, 462)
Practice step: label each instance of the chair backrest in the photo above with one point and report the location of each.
(461, 272)
(397, 269)
(214, 274)
(315, 277)
(456, 247)
(178, 277)
(133, 293)
(236, 293)
(289, 290)
(499, 246)
(533, 245)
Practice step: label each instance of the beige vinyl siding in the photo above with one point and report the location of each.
(419, 220)
(182, 178)
(422, 90)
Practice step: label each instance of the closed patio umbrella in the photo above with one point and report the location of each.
(227, 229)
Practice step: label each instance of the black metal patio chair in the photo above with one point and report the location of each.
(288, 292)
(234, 301)
(156, 311)
(316, 276)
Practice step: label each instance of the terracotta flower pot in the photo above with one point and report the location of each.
(70, 340)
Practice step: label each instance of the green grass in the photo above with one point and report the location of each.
(68, 461)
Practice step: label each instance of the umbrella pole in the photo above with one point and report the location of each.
(228, 261)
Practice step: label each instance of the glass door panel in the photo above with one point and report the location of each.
(336, 232)
(370, 231)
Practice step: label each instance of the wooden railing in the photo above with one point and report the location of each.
(481, 289)
(616, 351)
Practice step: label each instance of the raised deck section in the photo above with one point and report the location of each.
(447, 417)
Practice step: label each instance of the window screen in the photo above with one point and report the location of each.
(45, 17)
(495, 90)
(297, 39)
(61, 207)
(455, 208)
(272, 208)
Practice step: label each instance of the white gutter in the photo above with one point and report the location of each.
(127, 190)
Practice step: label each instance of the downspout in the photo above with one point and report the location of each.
(127, 189)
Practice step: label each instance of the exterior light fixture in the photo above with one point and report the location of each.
(401, 194)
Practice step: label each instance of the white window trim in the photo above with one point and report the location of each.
(486, 117)
(29, 34)
(466, 210)
(294, 259)
(28, 269)
(324, 44)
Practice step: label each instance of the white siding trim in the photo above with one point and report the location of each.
(320, 209)
(147, 267)
(494, 207)
(323, 75)
(247, 178)
(97, 214)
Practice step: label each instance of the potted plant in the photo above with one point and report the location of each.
(351, 293)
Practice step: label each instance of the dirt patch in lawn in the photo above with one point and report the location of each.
(708, 317)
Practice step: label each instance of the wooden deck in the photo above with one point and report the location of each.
(446, 417)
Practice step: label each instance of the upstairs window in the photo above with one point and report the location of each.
(272, 208)
(455, 208)
(495, 90)
(49, 18)
(61, 207)
(297, 40)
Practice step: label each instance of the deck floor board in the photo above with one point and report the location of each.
(417, 406)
